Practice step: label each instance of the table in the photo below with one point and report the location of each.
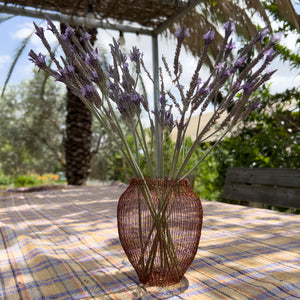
(63, 244)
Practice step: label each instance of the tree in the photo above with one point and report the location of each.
(78, 133)
(32, 127)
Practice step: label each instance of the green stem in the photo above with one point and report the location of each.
(145, 148)
(205, 155)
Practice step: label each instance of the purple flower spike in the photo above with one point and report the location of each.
(269, 53)
(230, 46)
(263, 33)
(248, 88)
(59, 77)
(40, 32)
(38, 60)
(240, 61)
(94, 76)
(276, 37)
(209, 36)
(182, 32)
(135, 54)
(68, 33)
(268, 74)
(229, 27)
(69, 70)
(87, 90)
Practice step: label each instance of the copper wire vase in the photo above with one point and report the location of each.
(159, 224)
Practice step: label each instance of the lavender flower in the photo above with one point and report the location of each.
(248, 87)
(59, 76)
(240, 62)
(276, 37)
(69, 70)
(229, 47)
(38, 60)
(182, 32)
(113, 92)
(135, 54)
(94, 76)
(229, 27)
(209, 36)
(263, 33)
(87, 90)
(68, 33)
(40, 32)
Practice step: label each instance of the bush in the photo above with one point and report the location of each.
(34, 180)
(5, 180)
(26, 180)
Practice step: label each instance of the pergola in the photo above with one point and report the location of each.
(148, 17)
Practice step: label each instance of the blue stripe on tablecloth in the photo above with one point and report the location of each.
(10, 265)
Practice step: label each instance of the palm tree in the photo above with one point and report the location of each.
(78, 133)
(207, 15)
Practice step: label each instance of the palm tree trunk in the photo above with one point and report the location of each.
(78, 135)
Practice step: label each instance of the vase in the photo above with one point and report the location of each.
(159, 225)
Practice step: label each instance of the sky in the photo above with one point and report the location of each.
(13, 31)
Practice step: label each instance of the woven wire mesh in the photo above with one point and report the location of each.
(139, 234)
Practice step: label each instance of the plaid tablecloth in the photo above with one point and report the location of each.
(63, 244)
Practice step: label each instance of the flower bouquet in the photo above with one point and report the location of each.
(159, 217)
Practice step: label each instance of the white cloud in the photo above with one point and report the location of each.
(24, 30)
(4, 59)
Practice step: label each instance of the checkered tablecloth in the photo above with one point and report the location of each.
(63, 244)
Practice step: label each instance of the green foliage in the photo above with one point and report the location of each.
(32, 128)
(287, 55)
(26, 180)
(270, 137)
(5, 180)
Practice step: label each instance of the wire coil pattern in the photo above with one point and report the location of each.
(160, 241)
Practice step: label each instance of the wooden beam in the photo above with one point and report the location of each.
(72, 20)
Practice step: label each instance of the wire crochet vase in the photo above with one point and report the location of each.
(159, 224)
